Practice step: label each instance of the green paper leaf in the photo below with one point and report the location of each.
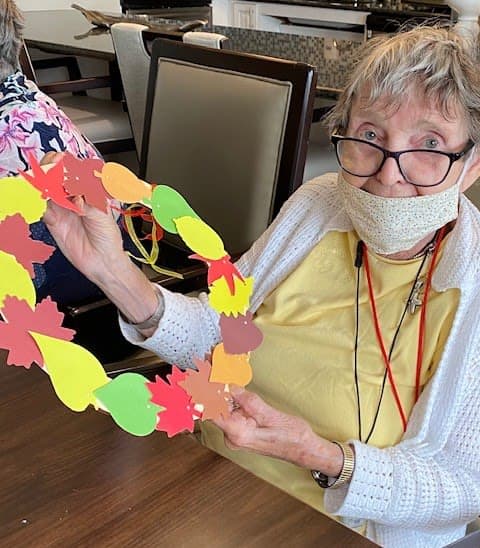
(127, 398)
(167, 205)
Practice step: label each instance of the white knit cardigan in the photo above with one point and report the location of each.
(424, 490)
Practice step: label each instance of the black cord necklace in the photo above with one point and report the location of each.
(358, 265)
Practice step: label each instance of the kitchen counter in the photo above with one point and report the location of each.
(381, 8)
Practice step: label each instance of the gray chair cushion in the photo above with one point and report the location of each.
(98, 119)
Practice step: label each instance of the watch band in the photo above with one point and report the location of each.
(345, 475)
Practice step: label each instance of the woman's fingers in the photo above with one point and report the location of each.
(252, 405)
(51, 157)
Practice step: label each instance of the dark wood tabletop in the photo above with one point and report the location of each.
(74, 35)
(67, 32)
(75, 479)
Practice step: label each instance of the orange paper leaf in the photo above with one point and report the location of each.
(230, 368)
(211, 395)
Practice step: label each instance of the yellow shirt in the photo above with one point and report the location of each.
(304, 366)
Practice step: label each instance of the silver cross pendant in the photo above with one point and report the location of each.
(416, 299)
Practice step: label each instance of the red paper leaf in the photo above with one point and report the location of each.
(211, 395)
(49, 183)
(239, 334)
(80, 180)
(221, 267)
(15, 238)
(179, 412)
(20, 319)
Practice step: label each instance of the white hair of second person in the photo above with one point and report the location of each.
(11, 26)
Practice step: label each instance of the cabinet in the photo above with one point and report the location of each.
(244, 15)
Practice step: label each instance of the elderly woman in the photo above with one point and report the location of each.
(365, 403)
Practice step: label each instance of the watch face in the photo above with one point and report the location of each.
(320, 478)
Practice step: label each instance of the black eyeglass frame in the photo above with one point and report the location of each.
(452, 156)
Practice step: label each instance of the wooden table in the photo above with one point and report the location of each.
(75, 479)
(67, 32)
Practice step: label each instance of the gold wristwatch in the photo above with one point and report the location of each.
(345, 475)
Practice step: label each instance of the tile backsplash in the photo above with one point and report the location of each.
(307, 49)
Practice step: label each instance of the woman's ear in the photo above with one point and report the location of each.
(473, 172)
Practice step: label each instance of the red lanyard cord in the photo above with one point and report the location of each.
(381, 344)
(423, 314)
(421, 333)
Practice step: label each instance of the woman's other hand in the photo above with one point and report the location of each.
(253, 425)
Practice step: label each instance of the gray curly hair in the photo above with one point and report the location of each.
(437, 61)
(11, 25)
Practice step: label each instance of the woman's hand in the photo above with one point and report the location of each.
(255, 426)
(91, 241)
(93, 244)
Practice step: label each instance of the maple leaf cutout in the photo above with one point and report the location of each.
(49, 183)
(20, 319)
(15, 239)
(179, 412)
(218, 268)
(211, 395)
(81, 180)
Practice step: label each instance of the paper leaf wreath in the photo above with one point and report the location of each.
(32, 332)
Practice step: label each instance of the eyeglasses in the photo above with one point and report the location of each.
(418, 167)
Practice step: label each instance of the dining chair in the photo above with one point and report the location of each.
(229, 131)
(131, 42)
(103, 121)
(133, 60)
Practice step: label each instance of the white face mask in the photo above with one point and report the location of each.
(390, 225)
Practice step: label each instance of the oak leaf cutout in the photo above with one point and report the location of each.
(20, 319)
(81, 180)
(211, 395)
(15, 239)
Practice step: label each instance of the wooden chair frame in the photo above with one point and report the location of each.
(302, 76)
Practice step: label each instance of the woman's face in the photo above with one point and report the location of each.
(416, 124)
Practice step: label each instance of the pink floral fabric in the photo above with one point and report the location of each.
(32, 123)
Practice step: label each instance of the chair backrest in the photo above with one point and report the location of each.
(229, 131)
(134, 64)
(133, 57)
(207, 39)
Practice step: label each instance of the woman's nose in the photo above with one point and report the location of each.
(390, 173)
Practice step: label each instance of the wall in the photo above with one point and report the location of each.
(100, 5)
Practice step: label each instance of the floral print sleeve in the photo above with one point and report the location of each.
(31, 123)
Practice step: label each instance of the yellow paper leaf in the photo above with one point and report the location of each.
(200, 238)
(75, 372)
(15, 280)
(124, 185)
(19, 196)
(230, 368)
(224, 302)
